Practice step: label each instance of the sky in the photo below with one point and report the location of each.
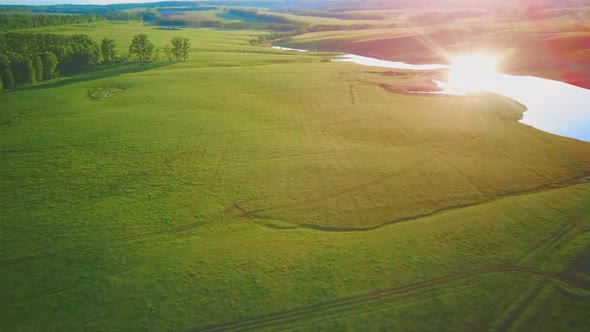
(76, 2)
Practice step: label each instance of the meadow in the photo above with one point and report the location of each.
(255, 189)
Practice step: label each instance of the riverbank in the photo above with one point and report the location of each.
(561, 109)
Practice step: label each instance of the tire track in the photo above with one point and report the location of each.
(518, 308)
(175, 230)
(188, 150)
(507, 319)
(324, 228)
(313, 201)
(582, 298)
(352, 94)
(71, 286)
(285, 318)
(550, 241)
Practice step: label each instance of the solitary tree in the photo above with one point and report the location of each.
(181, 47)
(141, 49)
(107, 49)
(49, 61)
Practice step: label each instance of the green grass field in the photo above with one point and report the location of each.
(255, 189)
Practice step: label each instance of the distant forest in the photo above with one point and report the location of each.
(15, 22)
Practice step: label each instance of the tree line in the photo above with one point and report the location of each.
(29, 58)
(14, 22)
(10, 21)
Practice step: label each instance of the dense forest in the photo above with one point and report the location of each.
(27, 21)
(27, 58)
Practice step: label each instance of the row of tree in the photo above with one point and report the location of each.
(141, 49)
(29, 58)
(10, 21)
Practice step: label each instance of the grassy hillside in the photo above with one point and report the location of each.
(250, 188)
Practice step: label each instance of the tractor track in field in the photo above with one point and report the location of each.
(352, 94)
(250, 214)
(582, 298)
(507, 319)
(284, 318)
(339, 193)
(551, 240)
(175, 230)
(192, 148)
(71, 286)
(518, 308)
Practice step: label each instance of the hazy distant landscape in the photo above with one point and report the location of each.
(164, 167)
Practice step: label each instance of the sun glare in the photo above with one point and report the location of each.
(472, 73)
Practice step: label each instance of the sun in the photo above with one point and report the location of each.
(473, 73)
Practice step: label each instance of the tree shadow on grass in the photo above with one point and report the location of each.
(100, 72)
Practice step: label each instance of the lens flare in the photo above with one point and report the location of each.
(472, 73)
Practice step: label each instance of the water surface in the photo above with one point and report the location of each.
(552, 106)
